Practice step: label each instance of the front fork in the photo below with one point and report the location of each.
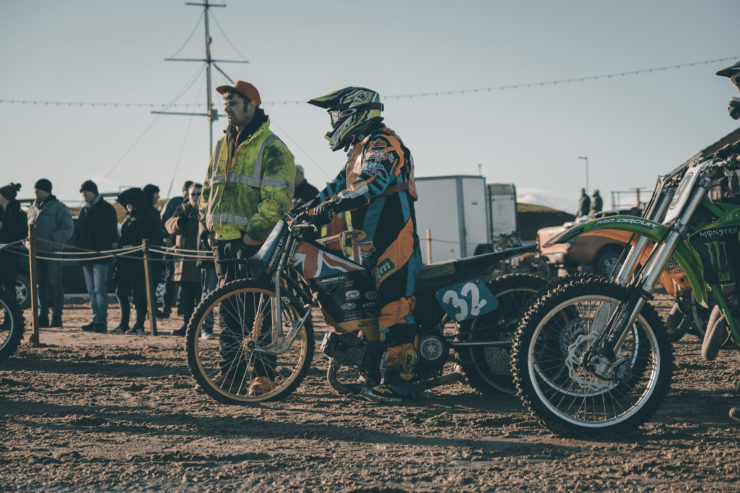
(600, 356)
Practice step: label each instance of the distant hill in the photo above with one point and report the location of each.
(531, 217)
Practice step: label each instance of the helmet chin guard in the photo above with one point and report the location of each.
(355, 109)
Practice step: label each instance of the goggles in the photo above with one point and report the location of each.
(336, 116)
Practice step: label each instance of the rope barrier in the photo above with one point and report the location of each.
(7, 246)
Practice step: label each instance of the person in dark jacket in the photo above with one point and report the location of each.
(171, 289)
(304, 191)
(13, 227)
(53, 228)
(597, 203)
(584, 204)
(129, 272)
(97, 230)
(183, 225)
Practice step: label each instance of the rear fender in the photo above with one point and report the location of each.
(652, 231)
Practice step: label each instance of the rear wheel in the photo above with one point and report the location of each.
(23, 291)
(567, 394)
(488, 368)
(235, 353)
(11, 324)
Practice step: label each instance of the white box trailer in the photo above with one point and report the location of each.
(455, 212)
(502, 210)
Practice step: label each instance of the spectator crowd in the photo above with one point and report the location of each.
(186, 281)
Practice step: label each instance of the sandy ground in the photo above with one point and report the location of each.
(92, 412)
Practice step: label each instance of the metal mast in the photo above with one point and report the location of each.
(211, 112)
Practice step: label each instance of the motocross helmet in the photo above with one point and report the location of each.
(733, 72)
(352, 110)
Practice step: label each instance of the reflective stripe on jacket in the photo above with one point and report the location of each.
(249, 191)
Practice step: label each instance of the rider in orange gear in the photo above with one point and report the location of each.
(377, 185)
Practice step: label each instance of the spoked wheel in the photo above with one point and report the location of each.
(488, 368)
(11, 324)
(235, 352)
(573, 397)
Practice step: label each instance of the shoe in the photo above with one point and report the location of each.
(43, 322)
(88, 327)
(121, 329)
(136, 330)
(100, 329)
(162, 313)
(735, 414)
(391, 394)
(180, 331)
(56, 322)
(261, 385)
(207, 335)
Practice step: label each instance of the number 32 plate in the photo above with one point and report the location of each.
(466, 300)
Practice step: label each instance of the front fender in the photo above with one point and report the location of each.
(652, 231)
(643, 227)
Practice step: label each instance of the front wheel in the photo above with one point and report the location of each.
(235, 352)
(568, 395)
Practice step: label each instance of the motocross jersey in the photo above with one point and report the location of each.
(377, 185)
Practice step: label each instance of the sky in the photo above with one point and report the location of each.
(631, 128)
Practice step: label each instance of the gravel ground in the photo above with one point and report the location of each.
(92, 412)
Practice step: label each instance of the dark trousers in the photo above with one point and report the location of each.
(238, 315)
(170, 287)
(190, 292)
(51, 292)
(136, 286)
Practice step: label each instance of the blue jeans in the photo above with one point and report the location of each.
(51, 292)
(96, 280)
(208, 282)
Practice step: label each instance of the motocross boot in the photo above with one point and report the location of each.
(370, 364)
(397, 368)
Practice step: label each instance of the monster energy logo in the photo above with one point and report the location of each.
(717, 251)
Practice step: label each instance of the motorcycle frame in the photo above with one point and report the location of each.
(272, 268)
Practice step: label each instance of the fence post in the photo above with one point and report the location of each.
(32, 281)
(149, 297)
(429, 246)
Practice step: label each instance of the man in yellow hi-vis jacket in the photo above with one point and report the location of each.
(248, 188)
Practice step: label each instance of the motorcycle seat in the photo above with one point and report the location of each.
(440, 274)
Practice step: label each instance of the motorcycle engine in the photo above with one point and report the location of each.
(433, 353)
(345, 349)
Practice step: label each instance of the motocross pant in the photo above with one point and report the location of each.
(395, 274)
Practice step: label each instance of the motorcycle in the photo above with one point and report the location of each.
(592, 355)
(252, 339)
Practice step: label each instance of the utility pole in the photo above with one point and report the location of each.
(211, 112)
(585, 158)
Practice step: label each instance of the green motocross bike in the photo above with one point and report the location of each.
(592, 355)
